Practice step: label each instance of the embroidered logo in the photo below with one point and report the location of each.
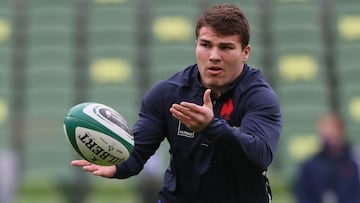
(184, 131)
(227, 109)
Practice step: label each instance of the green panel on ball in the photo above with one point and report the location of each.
(71, 123)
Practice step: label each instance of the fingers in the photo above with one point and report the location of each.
(194, 116)
(104, 171)
(90, 168)
(189, 108)
(94, 169)
(180, 113)
(80, 163)
(207, 99)
(86, 166)
(98, 173)
(196, 108)
(185, 108)
(186, 115)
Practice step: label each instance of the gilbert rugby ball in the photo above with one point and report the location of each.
(98, 134)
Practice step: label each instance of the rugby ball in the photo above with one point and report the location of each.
(98, 134)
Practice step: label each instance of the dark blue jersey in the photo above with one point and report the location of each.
(223, 163)
(325, 173)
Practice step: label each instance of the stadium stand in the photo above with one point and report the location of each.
(173, 38)
(112, 55)
(50, 53)
(301, 82)
(347, 42)
(49, 81)
(5, 68)
(171, 60)
(112, 24)
(350, 99)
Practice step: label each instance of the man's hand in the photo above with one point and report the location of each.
(104, 171)
(195, 117)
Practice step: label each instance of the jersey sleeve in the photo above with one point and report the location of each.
(148, 131)
(259, 131)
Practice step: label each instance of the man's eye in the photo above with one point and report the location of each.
(205, 45)
(226, 48)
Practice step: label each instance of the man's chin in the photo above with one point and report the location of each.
(214, 85)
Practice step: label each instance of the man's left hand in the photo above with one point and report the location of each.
(194, 116)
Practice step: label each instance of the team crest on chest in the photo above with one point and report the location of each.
(227, 109)
(184, 131)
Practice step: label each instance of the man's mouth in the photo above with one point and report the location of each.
(214, 70)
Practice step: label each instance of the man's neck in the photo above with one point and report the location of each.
(215, 93)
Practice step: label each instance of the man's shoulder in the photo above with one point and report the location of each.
(184, 75)
(255, 80)
(256, 88)
(169, 85)
(253, 77)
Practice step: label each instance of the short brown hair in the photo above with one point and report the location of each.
(226, 19)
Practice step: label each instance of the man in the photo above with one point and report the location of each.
(220, 117)
(330, 176)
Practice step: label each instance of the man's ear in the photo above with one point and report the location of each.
(246, 53)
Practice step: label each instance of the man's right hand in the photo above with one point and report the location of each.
(104, 171)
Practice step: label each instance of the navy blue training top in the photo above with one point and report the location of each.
(226, 161)
(326, 172)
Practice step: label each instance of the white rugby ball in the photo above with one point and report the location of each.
(98, 134)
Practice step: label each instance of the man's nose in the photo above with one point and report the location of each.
(214, 55)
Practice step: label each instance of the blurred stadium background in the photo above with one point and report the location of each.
(54, 54)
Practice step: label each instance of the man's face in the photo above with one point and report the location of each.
(330, 132)
(220, 58)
